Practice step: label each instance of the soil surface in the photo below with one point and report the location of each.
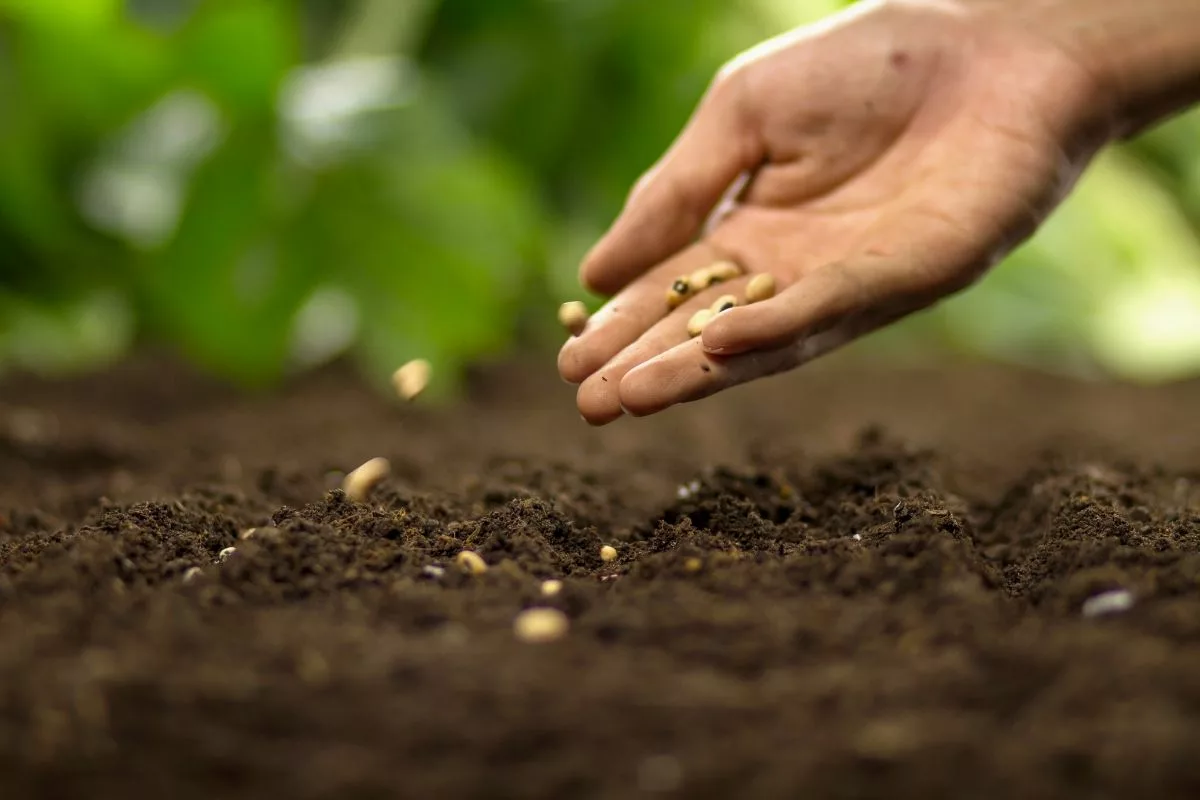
(844, 583)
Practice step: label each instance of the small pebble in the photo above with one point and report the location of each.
(1111, 602)
(412, 378)
(761, 287)
(698, 320)
(551, 587)
(538, 625)
(226, 553)
(359, 483)
(608, 553)
(472, 562)
(573, 316)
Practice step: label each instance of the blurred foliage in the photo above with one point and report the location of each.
(267, 184)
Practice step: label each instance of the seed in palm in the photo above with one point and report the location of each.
(698, 321)
(761, 287)
(681, 289)
(724, 303)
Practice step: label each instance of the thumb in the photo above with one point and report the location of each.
(671, 202)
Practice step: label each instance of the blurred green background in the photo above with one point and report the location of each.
(265, 185)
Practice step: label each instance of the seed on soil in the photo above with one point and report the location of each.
(359, 483)
(698, 321)
(226, 553)
(412, 378)
(551, 588)
(538, 625)
(724, 303)
(192, 574)
(761, 287)
(693, 564)
(260, 533)
(432, 571)
(573, 316)
(680, 289)
(472, 562)
(608, 553)
(1111, 602)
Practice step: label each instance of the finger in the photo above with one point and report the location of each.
(687, 372)
(623, 319)
(670, 203)
(598, 397)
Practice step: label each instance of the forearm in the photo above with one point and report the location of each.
(1144, 54)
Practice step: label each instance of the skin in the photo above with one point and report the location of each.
(888, 157)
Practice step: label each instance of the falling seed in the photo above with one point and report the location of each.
(693, 564)
(679, 291)
(226, 553)
(698, 321)
(573, 316)
(1112, 602)
(608, 553)
(538, 625)
(192, 574)
(472, 562)
(724, 303)
(412, 378)
(359, 483)
(761, 287)
(551, 587)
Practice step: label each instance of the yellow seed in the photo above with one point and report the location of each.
(539, 625)
(359, 483)
(573, 316)
(703, 278)
(551, 588)
(699, 320)
(761, 287)
(412, 378)
(680, 290)
(724, 271)
(693, 564)
(472, 562)
(608, 553)
(724, 303)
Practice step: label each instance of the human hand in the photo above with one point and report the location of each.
(894, 152)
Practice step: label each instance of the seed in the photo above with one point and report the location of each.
(472, 562)
(412, 378)
(724, 271)
(699, 320)
(551, 588)
(724, 303)
(693, 564)
(761, 287)
(359, 483)
(192, 574)
(432, 571)
(538, 625)
(226, 553)
(679, 291)
(260, 533)
(608, 553)
(573, 316)
(702, 278)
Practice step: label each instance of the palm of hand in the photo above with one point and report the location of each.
(893, 156)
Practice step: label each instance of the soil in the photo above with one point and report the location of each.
(844, 583)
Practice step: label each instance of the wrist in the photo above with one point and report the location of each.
(1143, 55)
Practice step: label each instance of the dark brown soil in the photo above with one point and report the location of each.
(846, 583)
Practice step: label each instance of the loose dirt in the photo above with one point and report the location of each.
(845, 583)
